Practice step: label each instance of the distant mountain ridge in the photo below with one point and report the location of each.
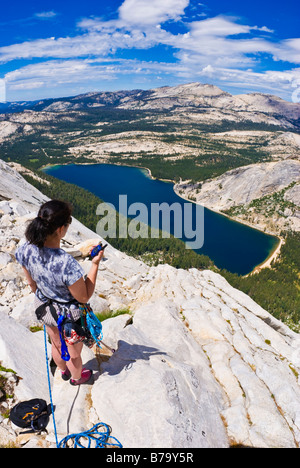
(193, 96)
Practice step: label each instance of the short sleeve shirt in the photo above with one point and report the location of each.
(53, 270)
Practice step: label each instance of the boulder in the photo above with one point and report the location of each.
(24, 353)
(157, 390)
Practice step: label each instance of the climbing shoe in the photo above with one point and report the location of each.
(66, 374)
(86, 375)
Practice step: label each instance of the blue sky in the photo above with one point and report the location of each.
(63, 48)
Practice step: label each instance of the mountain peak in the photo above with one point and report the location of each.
(194, 88)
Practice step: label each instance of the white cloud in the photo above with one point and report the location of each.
(217, 39)
(145, 12)
(57, 72)
(263, 29)
(46, 15)
(63, 47)
(288, 50)
(219, 26)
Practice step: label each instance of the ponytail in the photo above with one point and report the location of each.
(37, 232)
(51, 216)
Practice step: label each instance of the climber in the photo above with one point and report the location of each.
(54, 274)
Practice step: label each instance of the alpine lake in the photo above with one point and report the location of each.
(231, 245)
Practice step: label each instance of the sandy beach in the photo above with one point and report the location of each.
(273, 256)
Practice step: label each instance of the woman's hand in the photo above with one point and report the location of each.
(82, 290)
(98, 257)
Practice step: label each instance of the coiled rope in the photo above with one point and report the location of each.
(93, 438)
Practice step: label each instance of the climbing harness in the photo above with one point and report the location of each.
(85, 327)
(94, 438)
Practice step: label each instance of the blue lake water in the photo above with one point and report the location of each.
(231, 245)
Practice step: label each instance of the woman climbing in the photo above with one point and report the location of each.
(54, 274)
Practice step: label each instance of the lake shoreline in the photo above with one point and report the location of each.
(273, 254)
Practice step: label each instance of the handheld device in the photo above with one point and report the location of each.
(97, 249)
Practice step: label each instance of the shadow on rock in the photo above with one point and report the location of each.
(126, 355)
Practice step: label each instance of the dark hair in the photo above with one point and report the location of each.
(52, 215)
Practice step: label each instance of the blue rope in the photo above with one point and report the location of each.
(100, 439)
(93, 438)
(49, 386)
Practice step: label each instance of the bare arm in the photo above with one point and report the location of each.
(83, 290)
(30, 281)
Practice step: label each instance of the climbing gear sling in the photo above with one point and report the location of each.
(91, 323)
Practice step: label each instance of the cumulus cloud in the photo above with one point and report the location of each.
(145, 12)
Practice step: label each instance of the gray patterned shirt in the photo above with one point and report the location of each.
(53, 270)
